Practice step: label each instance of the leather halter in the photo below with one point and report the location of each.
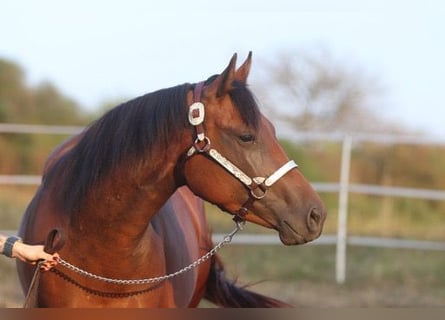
(257, 186)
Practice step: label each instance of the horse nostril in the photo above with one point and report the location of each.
(314, 220)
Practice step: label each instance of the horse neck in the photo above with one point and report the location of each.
(127, 199)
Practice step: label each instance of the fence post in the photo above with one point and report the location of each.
(340, 271)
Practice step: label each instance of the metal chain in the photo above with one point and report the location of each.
(226, 240)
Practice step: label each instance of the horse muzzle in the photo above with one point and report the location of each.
(293, 232)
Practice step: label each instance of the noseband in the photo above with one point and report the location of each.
(257, 186)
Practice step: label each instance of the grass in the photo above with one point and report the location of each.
(13, 202)
(304, 275)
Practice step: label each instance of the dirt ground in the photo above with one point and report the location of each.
(302, 294)
(306, 294)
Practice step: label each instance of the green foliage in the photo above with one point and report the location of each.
(43, 104)
(415, 166)
(318, 161)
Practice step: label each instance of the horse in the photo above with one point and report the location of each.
(125, 195)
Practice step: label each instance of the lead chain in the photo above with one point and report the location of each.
(226, 240)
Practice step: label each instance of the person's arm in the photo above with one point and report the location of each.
(13, 247)
(5, 248)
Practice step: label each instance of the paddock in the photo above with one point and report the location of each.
(341, 250)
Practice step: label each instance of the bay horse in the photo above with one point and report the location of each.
(125, 196)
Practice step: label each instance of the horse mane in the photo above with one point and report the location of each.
(135, 131)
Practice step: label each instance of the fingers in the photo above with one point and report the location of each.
(51, 262)
(44, 267)
(48, 257)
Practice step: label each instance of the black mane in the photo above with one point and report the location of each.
(130, 133)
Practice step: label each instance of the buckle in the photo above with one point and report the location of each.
(196, 114)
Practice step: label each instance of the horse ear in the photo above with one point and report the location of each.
(243, 72)
(223, 83)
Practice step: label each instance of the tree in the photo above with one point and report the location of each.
(42, 104)
(14, 97)
(313, 91)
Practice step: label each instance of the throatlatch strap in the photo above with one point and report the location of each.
(197, 112)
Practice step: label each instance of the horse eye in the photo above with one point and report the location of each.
(247, 137)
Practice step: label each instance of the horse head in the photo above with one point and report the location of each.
(237, 163)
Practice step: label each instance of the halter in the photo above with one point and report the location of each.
(257, 186)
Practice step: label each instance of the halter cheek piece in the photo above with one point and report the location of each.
(257, 186)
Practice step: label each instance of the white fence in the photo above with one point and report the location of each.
(344, 188)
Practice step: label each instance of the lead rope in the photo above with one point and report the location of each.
(226, 240)
(53, 243)
(31, 295)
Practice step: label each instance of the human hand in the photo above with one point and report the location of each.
(33, 254)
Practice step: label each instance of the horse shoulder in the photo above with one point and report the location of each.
(181, 223)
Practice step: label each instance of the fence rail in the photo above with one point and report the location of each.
(38, 129)
(20, 180)
(369, 189)
(344, 188)
(392, 243)
(327, 239)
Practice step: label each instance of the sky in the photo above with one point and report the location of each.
(97, 51)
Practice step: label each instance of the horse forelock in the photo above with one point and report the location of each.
(246, 104)
(244, 101)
